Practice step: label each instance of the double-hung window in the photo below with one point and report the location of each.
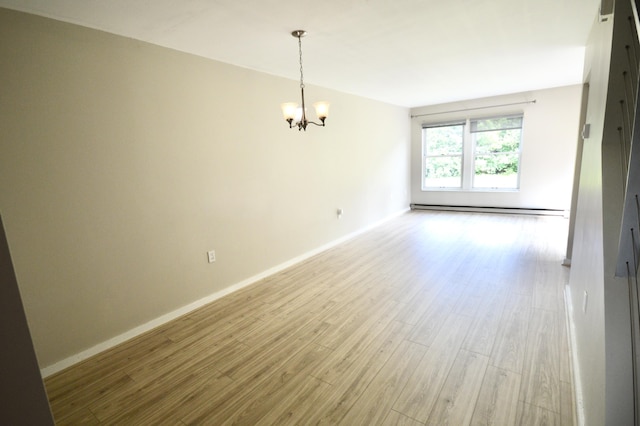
(443, 147)
(496, 152)
(476, 154)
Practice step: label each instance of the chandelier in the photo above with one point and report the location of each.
(291, 111)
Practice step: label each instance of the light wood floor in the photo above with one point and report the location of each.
(433, 318)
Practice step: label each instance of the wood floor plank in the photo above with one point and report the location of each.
(436, 315)
(352, 299)
(376, 401)
(294, 408)
(168, 388)
(192, 327)
(87, 393)
(288, 299)
(497, 403)
(272, 392)
(530, 415)
(257, 360)
(462, 323)
(307, 301)
(364, 368)
(419, 302)
(261, 332)
(83, 416)
(241, 303)
(156, 403)
(73, 382)
(251, 375)
(521, 276)
(186, 352)
(469, 303)
(204, 400)
(550, 278)
(422, 390)
(509, 348)
(483, 333)
(361, 319)
(541, 375)
(458, 396)
(396, 419)
(357, 343)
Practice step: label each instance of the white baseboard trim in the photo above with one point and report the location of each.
(107, 344)
(575, 364)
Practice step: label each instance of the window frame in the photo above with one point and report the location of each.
(426, 155)
(469, 154)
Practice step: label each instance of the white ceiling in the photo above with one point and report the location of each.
(404, 52)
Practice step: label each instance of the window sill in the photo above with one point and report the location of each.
(492, 190)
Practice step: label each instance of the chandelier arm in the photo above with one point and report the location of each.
(317, 124)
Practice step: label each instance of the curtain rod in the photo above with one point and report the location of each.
(472, 109)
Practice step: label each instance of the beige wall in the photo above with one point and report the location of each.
(549, 139)
(122, 163)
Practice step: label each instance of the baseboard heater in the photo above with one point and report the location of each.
(478, 209)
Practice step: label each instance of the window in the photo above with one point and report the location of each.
(496, 150)
(443, 155)
(484, 157)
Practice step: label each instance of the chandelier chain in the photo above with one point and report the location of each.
(300, 51)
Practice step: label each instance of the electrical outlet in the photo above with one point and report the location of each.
(339, 213)
(211, 256)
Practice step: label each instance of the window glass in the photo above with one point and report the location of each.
(474, 154)
(496, 144)
(443, 146)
